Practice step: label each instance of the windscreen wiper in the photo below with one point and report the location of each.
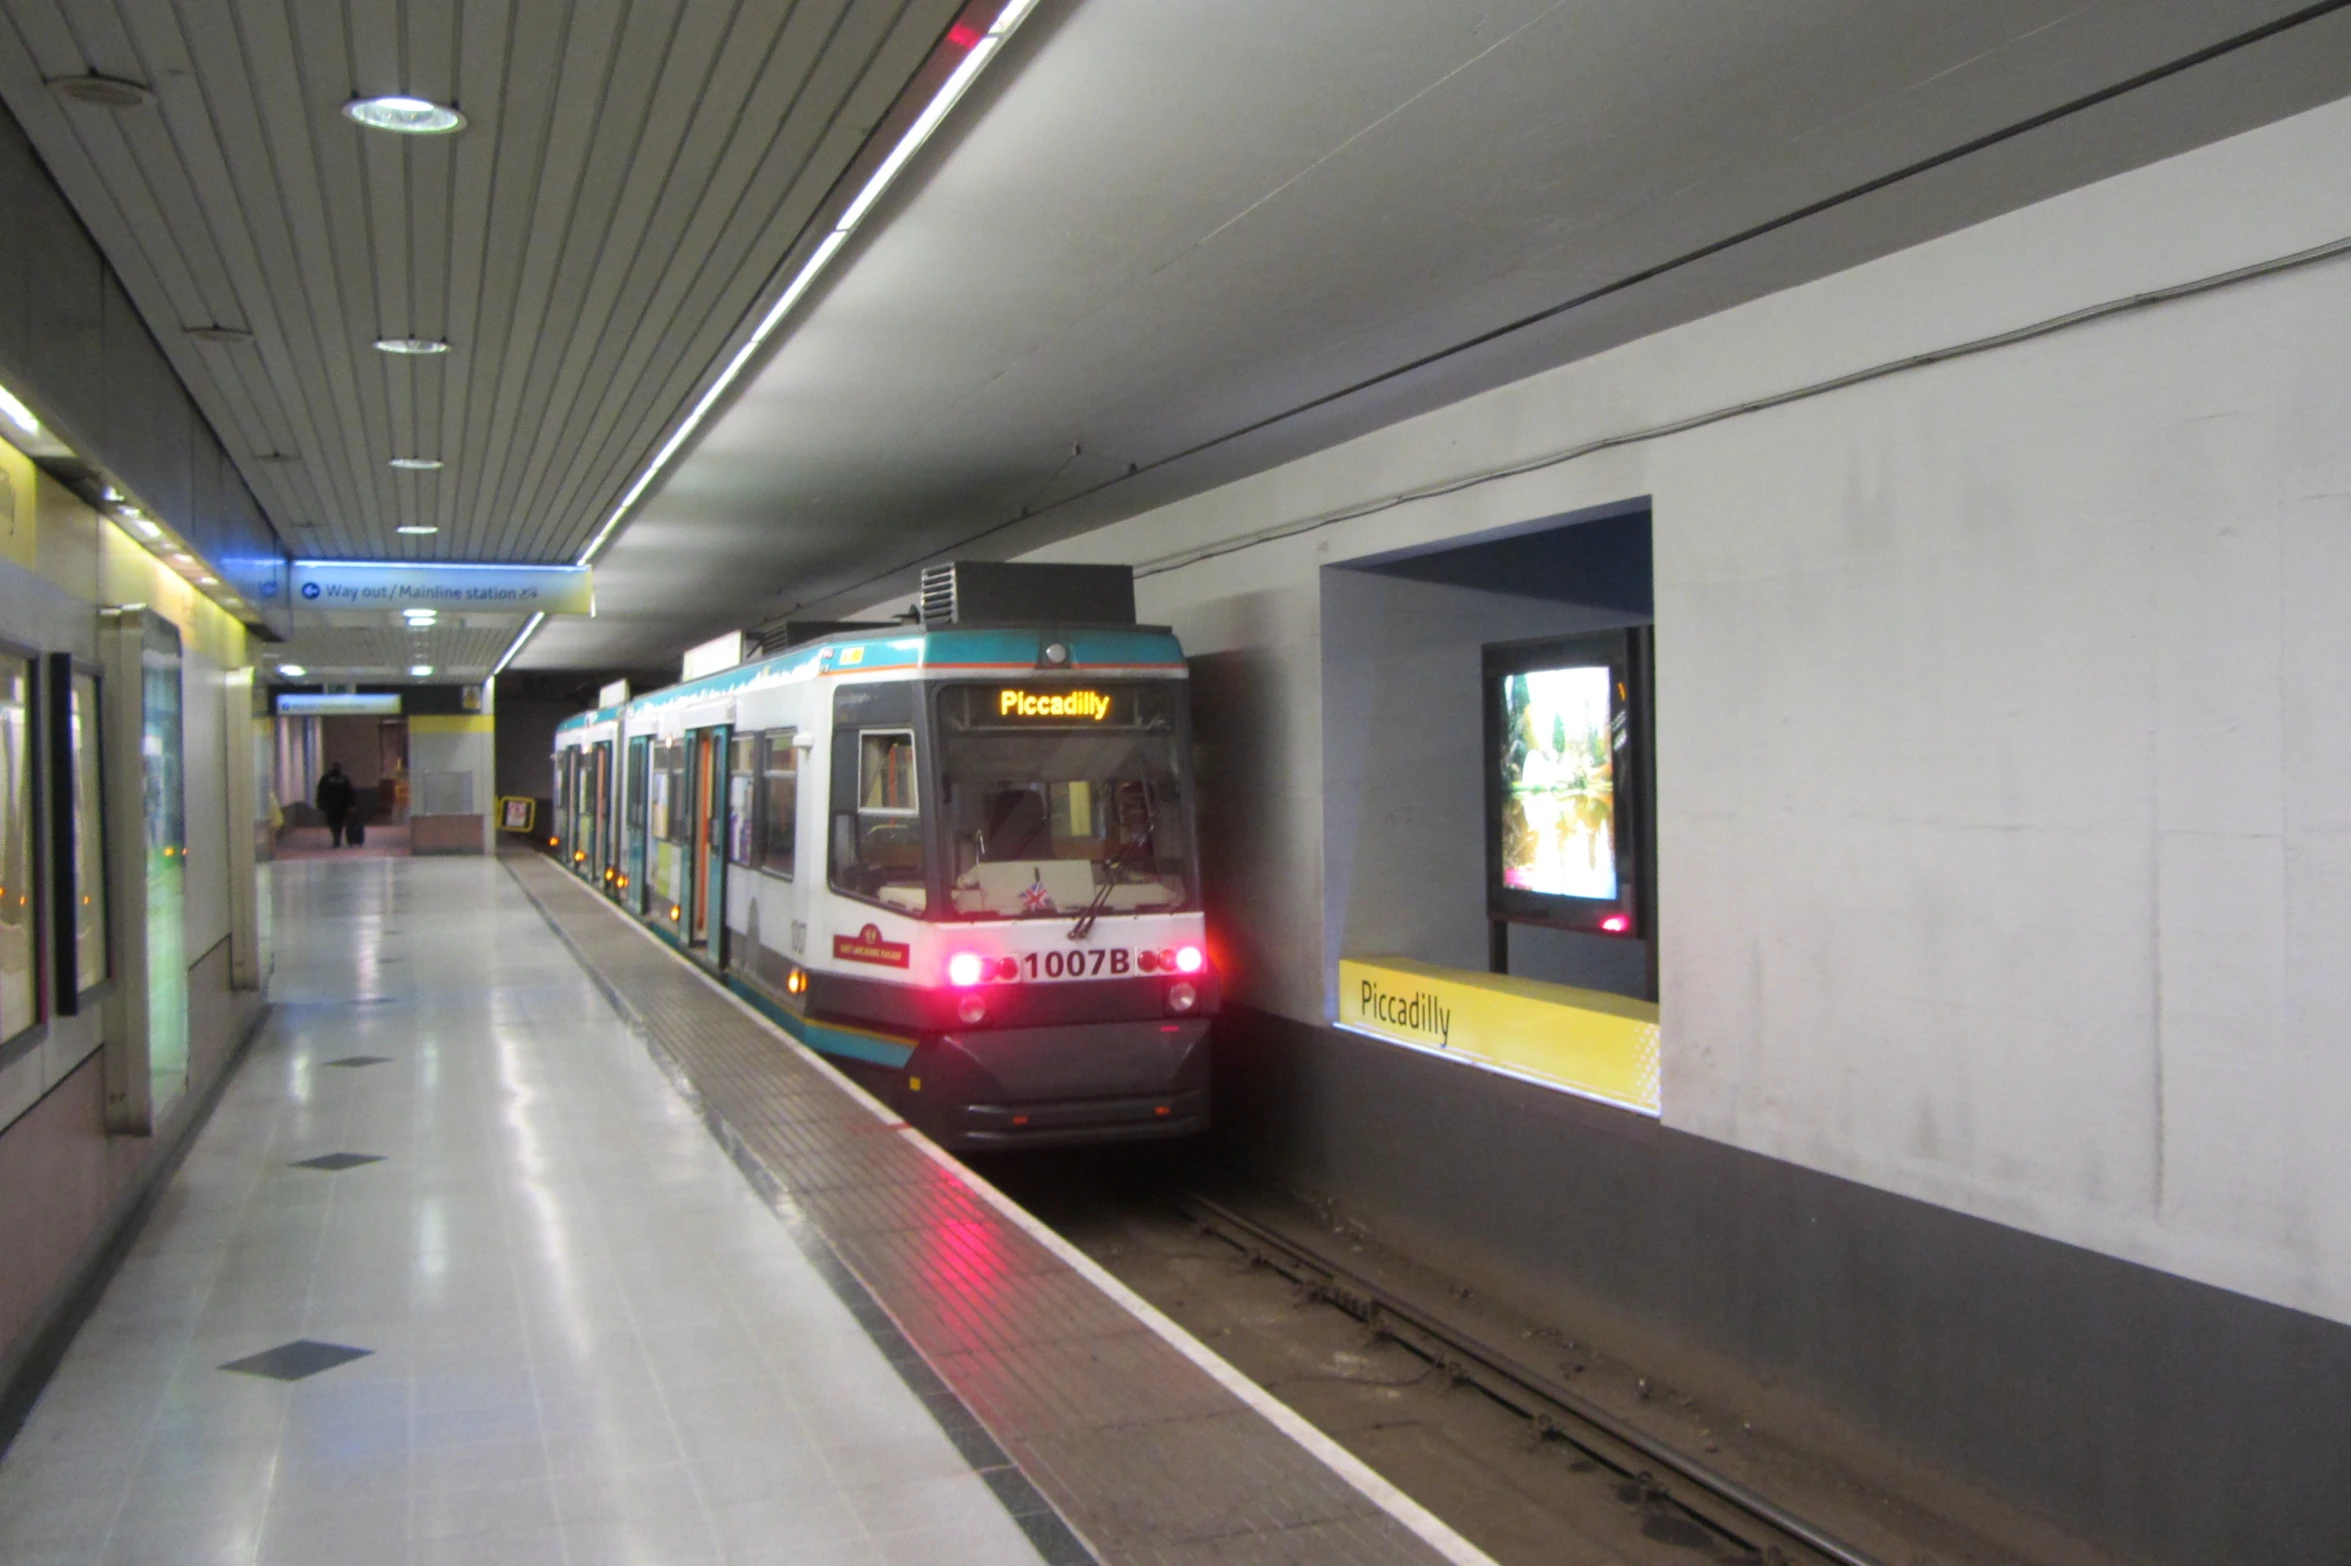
(1101, 898)
(1111, 866)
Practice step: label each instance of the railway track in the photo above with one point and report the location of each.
(1665, 1478)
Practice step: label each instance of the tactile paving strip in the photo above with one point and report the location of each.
(1041, 1379)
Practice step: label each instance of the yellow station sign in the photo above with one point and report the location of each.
(1584, 1041)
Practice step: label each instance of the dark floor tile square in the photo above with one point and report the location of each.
(361, 1060)
(292, 1361)
(336, 1162)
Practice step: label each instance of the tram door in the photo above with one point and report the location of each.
(600, 867)
(632, 851)
(706, 895)
(560, 827)
(580, 844)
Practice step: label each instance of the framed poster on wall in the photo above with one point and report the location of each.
(1569, 799)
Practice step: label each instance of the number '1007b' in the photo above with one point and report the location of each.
(1113, 960)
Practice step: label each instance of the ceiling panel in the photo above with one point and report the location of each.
(374, 646)
(1143, 238)
(631, 177)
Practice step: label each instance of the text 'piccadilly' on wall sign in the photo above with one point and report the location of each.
(379, 584)
(1580, 1041)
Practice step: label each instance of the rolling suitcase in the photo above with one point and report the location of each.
(356, 833)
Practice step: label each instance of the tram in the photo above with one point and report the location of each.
(959, 858)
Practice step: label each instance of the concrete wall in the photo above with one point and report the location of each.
(66, 1185)
(73, 349)
(526, 742)
(2005, 853)
(2002, 837)
(357, 743)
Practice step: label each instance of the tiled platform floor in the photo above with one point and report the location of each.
(1151, 1449)
(586, 1340)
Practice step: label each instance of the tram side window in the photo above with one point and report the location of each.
(779, 782)
(877, 818)
(743, 800)
(19, 982)
(669, 793)
(89, 819)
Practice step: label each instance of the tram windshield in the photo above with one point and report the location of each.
(1059, 799)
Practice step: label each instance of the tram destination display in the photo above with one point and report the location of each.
(1565, 742)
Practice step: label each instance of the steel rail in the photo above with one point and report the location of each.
(1589, 1427)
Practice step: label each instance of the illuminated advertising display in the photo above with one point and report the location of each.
(1559, 782)
(1566, 798)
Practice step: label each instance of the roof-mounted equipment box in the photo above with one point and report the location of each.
(998, 592)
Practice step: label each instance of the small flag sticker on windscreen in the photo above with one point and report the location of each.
(1034, 898)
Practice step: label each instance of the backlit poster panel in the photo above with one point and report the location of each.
(1558, 783)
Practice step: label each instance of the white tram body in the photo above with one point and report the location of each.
(961, 858)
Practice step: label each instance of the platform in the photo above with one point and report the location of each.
(480, 1259)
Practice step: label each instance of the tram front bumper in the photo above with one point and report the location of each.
(1060, 1085)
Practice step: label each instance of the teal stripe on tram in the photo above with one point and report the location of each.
(824, 1040)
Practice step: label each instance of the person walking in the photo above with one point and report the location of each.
(337, 798)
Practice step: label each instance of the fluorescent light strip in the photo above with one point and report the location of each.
(942, 103)
(515, 646)
(415, 567)
(18, 414)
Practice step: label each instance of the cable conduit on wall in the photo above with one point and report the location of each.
(2219, 50)
(2331, 250)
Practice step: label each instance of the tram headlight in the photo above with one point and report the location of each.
(972, 1010)
(1182, 996)
(963, 971)
(1189, 959)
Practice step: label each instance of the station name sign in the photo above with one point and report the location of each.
(1595, 1046)
(381, 584)
(1056, 706)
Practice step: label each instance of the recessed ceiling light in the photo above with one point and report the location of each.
(146, 528)
(411, 345)
(231, 335)
(107, 92)
(208, 581)
(418, 531)
(407, 116)
(292, 671)
(416, 464)
(417, 671)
